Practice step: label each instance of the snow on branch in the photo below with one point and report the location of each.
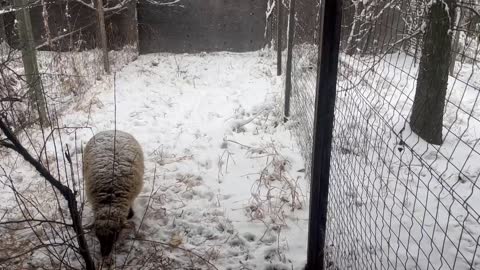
(118, 6)
(10, 8)
(270, 8)
(121, 4)
(163, 3)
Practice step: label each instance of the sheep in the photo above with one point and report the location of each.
(111, 187)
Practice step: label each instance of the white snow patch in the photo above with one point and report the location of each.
(222, 173)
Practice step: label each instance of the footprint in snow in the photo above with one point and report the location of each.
(140, 123)
(250, 237)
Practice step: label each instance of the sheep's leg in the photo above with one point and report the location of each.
(130, 213)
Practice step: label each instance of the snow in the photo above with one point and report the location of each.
(224, 178)
(224, 183)
(411, 205)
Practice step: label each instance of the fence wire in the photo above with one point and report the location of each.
(304, 73)
(397, 201)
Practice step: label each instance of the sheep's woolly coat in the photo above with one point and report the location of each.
(112, 181)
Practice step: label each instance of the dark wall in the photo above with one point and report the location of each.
(206, 25)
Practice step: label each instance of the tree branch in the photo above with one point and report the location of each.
(169, 3)
(66, 192)
(18, 147)
(469, 8)
(4, 223)
(7, 145)
(6, 259)
(10, 99)
(123, 3)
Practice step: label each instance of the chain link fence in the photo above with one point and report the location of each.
(404, 188)
(304, 71)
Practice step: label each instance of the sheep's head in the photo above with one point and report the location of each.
(108, 225)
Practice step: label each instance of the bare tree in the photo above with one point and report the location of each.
(3, 36)
(113, 6)
(427, 112)
(456, 39)
(413, 19)
(366, 13)
(29, 57)
(102, 31)
(352, 37)
(12, 142)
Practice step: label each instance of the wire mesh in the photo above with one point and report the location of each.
(397, 201)
(304, 73)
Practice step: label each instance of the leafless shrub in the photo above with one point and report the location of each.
(275, 192)
(41, 226)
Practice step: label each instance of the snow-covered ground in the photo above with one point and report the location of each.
(224, 182)
(397, 202)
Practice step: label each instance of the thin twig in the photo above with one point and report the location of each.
(4, 223)
(64, 190)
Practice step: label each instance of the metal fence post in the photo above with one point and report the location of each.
(323, 130)
(279, 37)
(288, 71)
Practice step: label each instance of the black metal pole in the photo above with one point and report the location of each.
(324, 117)
(288, 78)
(279, 37)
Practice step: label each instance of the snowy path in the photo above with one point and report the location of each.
(192, 114)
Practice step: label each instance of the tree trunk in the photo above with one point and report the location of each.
(429, 103)
(279, 8)
(3, 35)
(29, 57)
(456, 39)
(103, 35)
(132, 22)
